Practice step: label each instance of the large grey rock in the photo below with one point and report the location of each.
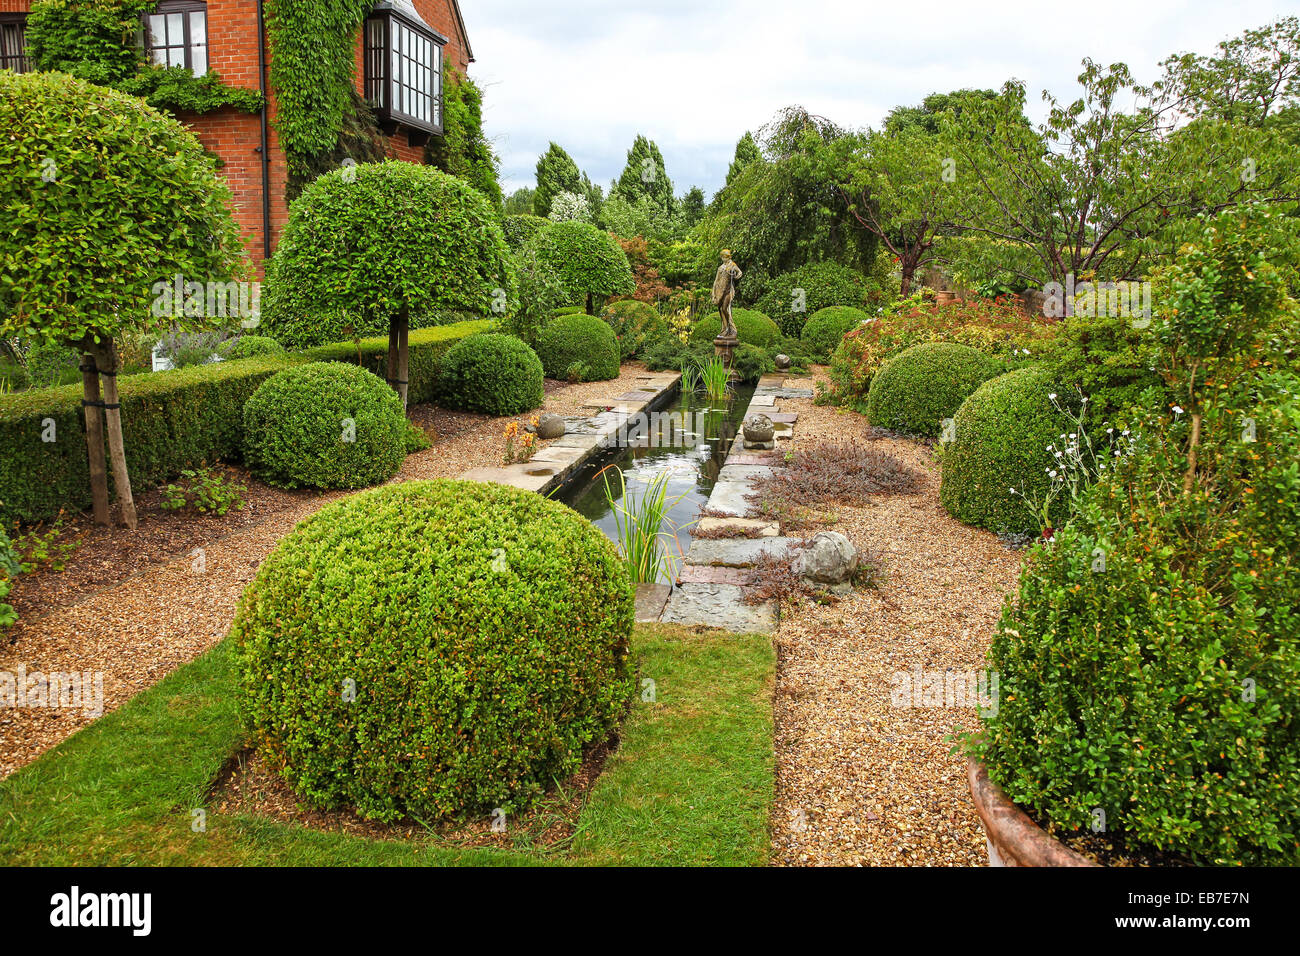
(758, 428)
(830, 560)
(550, 426)
(782, 361)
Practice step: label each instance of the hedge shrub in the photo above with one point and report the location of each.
(434, 648)
(753, 328)
(1002, 433)
(324, 425)
(1149, 665)
(921, 387)
(363, 241)
(246, 346)
(824, 329)
(571, 339)
(170, 420)
(587, 261)
(812, 288)
(494, 374)
(518, 230)
(635, 324)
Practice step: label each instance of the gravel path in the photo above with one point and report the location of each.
(138, 630)
(862, 782)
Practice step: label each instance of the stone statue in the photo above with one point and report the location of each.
(724, 292)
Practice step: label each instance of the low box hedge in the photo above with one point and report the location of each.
(170, 421)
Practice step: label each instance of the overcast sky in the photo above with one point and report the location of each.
(694, 76)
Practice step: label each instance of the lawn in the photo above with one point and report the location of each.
(690, 784)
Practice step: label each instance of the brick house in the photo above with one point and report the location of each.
(399, 55)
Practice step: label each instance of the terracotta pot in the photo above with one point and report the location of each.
(1013, 838)
(945, 298)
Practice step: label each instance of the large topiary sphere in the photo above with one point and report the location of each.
(635, 324)
(586, 261)
(1002, 436)
(753, 328)
(364, 240)
(579, 339)
(491, 373)
(825, 327)
(324, 425)
(922, 386)
(434, 647)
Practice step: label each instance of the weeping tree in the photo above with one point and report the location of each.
(109, 205)
(586, 261)
(377, 248)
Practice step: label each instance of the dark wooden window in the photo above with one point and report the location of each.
(403, 75)
(176, 34)
(13, 43)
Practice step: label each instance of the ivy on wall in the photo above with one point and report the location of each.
(98, 41)
(463, 150)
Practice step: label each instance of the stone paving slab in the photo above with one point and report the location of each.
(527, 476)
(795, 393)
(710, 574)
(583, 441)
(650, 601)
(749, 527)
(737, 472)
(783, 418)
(563, 454)
(739, 456)
(735, 552)
(721, 606)
(728, 498)
(762, 401)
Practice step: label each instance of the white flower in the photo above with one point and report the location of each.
(1110, 431)
(1013, 491)
(1052, 396)
(1178, 410)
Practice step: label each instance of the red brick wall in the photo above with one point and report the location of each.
(236, 137)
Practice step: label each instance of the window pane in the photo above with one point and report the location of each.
(175, 29)
(157, 31)
(176, 56)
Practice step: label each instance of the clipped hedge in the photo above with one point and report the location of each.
(1002, 434)
(246, 346)
(324, 425)
(753, 328)
(921, 387)
(824, 329)
(635, 324)
(434, 648)
(579, 339)
(494, 374)
(170, 420)
(518, 230)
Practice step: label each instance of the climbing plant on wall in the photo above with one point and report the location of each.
(463, 150)
(97, 41)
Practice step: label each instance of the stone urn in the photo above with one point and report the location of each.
(782, 362)
(1012, 838)
(829, 562)
(550, 426)
(759, 432)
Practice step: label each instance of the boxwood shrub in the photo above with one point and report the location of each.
(495, 374)
(635, 324)
(324, 425)
(1002, 433)
(246, 346)
(825, 327)
(583, 339)
(813, 287)
(753, 328)
(433, 648)
(921, 387)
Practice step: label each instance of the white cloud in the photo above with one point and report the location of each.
(693, 77)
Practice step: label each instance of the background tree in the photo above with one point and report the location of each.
(587, 261)
(692, 206)
(374, 248)
(747, 153)
(519, 202)
(556, 173)
(105, 199)
(645, 177)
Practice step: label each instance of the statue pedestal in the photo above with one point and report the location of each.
(724, 347)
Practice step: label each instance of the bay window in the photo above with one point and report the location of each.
(403, 69)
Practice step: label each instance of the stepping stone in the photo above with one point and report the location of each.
(585, 441)
(735, 552)
(783, 418)
(708, 574)
(782, 431)
(762, 400)
(608, 405)
(769, 458)
(728, 498)
(528, 477)
(772, 379)
(719, 606)
(637, 397)
(750, 527)
(650, 601)
(564, 454)
(795, 393)
(732, 472)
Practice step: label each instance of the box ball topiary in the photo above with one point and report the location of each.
(434, 647)
(492, 373)
(825, 327)
(1001, 436)
(246, 346)
(635, 324)
(583, 339)
(324, 425)
(752, 328)
(921, 387)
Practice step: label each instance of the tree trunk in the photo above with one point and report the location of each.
(94, 436)
(392, 355)
(106, 358)
(590, 298)
(403, 324)
(905, 286)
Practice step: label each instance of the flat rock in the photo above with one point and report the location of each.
(735, 552)
(783, 418)
(582, 441)
(749, 527)
(721, 606)
(564, 454)
(732, 472)
(528, 477)
(795, 393)
(650, 601)
(763, 401)
(728, 498)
